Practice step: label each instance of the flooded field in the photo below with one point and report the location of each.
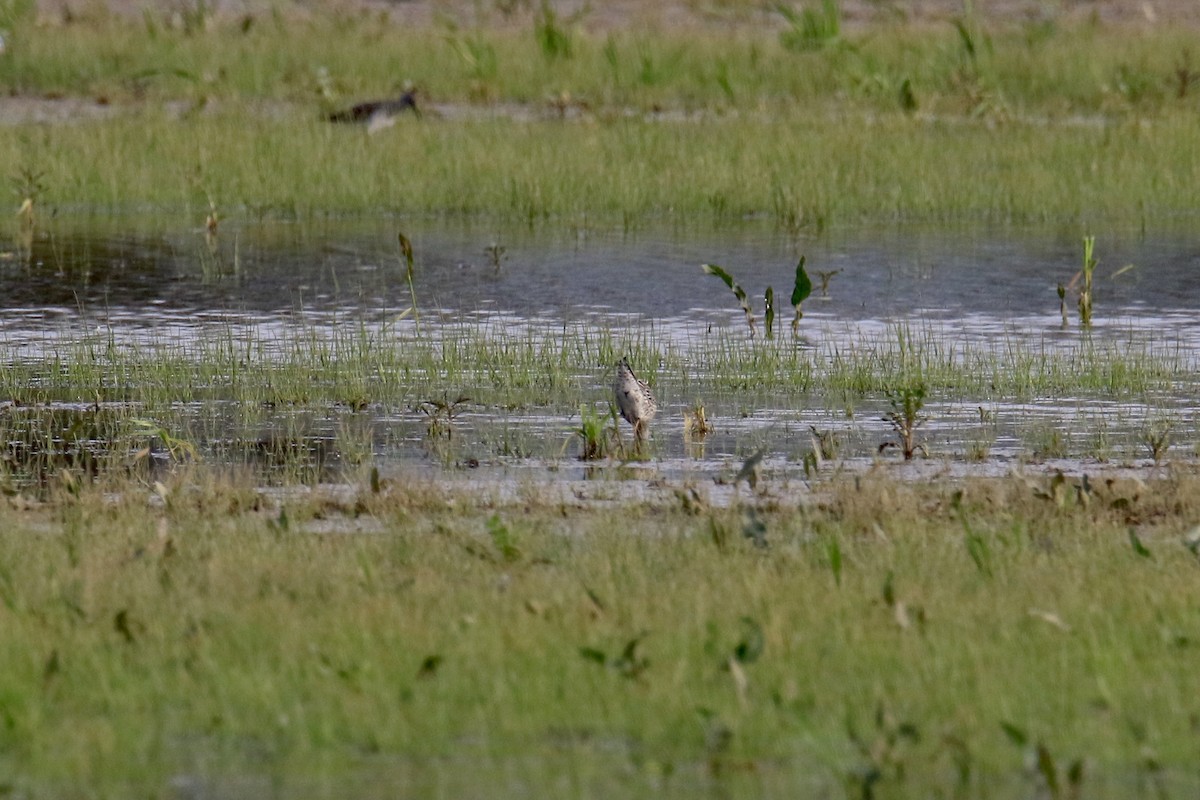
(974, 315)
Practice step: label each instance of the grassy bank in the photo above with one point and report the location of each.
(1083, 124)
(799, 171)
(213, 638)
(769, 60)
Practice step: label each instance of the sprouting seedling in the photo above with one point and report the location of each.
(496, 253)
(1158, 438)
(825, 276)
(769, 312)
(441, 413)
(738, 292)
(177, 447)
(905, 418)
(406, 252)
(695, 422)
(800, 292)
(595, 432)
(824, 443)
(1085, 293)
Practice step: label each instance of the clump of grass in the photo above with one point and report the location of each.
(810, 29)
(596, 433)
(695, 422)
(906, 419)
(441, 413)
(1157, 438)
(1047, 441)
(553, 35)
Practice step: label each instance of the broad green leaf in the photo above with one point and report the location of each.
(803, 287)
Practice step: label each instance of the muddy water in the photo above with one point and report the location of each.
(150, 280)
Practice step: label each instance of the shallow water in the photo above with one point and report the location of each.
(148, 281)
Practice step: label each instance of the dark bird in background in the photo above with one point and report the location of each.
(378, 113)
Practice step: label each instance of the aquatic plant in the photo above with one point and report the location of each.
(906, 418)
(177, 447)
(441, 413)
(596, 432)
(406, 253)
(801, 289)
(496, 254)
(1157, 438)
(738, 292)
(695, 422)
(1085, 291)
(825, 276)
(769, 312)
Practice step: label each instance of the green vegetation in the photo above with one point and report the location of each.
(801, 289)
(355, 364)
(189, 607)
(305, 405)
(204, 632)
(1084, 125)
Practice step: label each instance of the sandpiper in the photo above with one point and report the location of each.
(635, 401)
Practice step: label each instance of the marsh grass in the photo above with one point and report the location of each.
(209, 633)
(804, 57)
(625, 172)
(355, 364)
(315, 402)
(698, 128)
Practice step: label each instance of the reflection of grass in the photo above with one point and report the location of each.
(308, 659)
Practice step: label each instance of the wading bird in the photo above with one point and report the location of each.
(635, 401)
(379, 113)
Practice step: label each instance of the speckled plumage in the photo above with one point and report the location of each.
(635, 401)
